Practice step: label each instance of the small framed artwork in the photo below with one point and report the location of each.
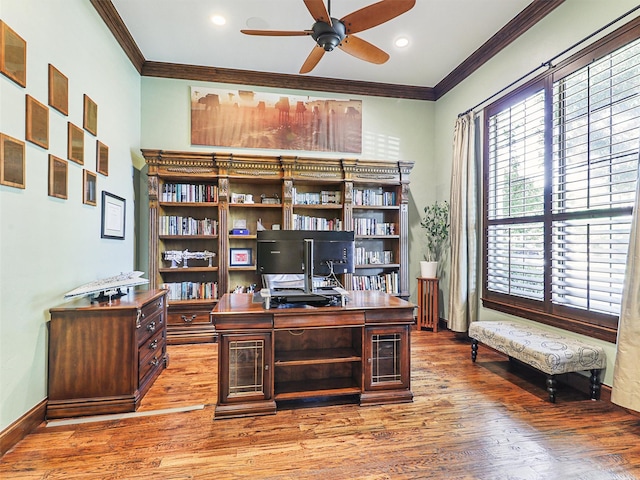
(58, 174)
(89, 187)
(13, 55)
(113, 216)
(90, 122)
(102, 158)
(75, 144)
(58, 90)
(37, 128)
(240, 257)
(12, 164)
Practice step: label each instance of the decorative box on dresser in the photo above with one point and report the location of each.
(104, 357)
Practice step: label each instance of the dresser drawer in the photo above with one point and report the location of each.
(183, 316)
(151, 354)
(150, 325)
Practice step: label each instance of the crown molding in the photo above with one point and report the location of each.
(527, 18)
(299, 82)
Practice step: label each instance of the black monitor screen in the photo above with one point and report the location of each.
(283, 251)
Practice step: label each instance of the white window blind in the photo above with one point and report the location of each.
(515, 261)
(596, 113)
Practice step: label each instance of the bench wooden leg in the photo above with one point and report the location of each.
(551, 388)
(595, 384)
(474, 349)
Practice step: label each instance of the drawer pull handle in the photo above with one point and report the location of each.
(151, 327)
(188, 320)
(154, 361)
(153, 345)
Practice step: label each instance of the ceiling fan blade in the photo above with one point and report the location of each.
(363, 50)
(318, 11)
(375, 14)
(313, 59)
(277, 33)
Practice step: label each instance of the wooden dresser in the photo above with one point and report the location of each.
(103, 358)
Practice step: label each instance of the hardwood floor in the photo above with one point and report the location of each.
(467, 421)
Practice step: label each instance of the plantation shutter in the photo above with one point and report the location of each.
(515, 206)
(596, 129)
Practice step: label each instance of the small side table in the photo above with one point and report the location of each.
(428, 314)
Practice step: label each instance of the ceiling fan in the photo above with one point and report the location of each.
(329, 32)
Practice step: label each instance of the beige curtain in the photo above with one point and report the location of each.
(626, 380)
(463, 293)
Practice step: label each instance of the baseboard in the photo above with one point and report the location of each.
(22, 427)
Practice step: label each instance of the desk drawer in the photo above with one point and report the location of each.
(319, 319)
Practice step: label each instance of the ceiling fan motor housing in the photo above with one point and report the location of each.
(329, 36)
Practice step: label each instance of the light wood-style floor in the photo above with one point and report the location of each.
(468, 421)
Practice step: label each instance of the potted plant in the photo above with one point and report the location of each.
(436, 225)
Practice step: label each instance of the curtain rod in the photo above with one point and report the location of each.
(549, 63)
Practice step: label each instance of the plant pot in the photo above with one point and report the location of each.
(428, 269)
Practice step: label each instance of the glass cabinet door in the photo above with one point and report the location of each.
(248, 375)
(387, 364)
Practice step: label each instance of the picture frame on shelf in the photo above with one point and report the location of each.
(90, 118)
(13, 55)
(58, 177)
(102, 158)
(113, 216)
(58, 90)
(89, 187)
(37, 128)
(75, 144)
(12, 162)
(240, 257)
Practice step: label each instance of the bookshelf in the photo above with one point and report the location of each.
(211, 203)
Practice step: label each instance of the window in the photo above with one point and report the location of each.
(561, 162)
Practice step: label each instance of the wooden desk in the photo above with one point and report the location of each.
(266, 356)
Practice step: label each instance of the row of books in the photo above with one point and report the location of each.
(370, 226)
(191, 290)
(372, 197)
(385, 282)
(176, 225)
(325, 197)
(186, 192)
(304, 222)
(365, 257)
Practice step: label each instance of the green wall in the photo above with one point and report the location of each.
(49, 246)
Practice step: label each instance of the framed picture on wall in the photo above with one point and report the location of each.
(12, 162)
(37, 128)
(113, 216)
(75, 144)
(89, 187)
(58, 90)
(90, 122)
(13, 55)
(102, 158)
(58, 174)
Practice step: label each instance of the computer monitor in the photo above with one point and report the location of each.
(305, 252)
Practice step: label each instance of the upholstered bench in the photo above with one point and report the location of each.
(549, 352)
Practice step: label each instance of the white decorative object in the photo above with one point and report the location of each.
(428, 269)
(109, 286)
(177, 256)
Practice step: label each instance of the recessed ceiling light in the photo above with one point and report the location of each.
(401, 42)
(218, 19)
